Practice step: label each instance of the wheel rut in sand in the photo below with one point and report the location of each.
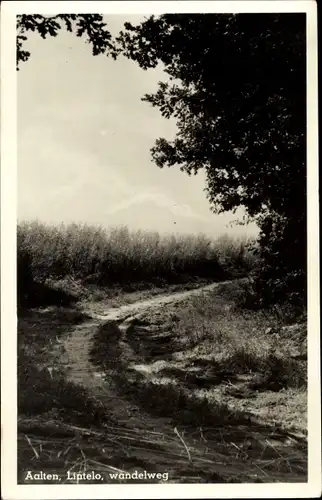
(150, 438)
(82, 350)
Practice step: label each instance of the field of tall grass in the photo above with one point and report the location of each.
(120, 256)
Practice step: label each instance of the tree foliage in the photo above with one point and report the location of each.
(90, 26)
(237, 89)
(236, 86)
(238, 95)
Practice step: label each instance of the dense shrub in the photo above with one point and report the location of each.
(25, 280)
(281, 274)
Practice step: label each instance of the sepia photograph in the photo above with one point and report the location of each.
(164, 254)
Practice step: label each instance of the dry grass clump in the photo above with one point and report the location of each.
(245, 342)
(208, 454)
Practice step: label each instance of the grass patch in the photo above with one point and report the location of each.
(238, 376)
(257, 343)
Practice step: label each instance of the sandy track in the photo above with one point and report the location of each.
(123, 312)
(78, 358)
(106, 369)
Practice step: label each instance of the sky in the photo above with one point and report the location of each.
(84, 140)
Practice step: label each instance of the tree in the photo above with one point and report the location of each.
(91, 26)
(237, 89)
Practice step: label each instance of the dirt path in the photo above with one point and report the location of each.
(116, 322)
(122, 357)
(123, 312)
(152, 441)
